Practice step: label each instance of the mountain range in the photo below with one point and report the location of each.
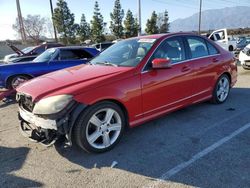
(229, 17)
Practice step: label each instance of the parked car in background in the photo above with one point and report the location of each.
(13, 74)
(29, 53)
(102, 46)
(221, 37)
(241, 43)
(133, 81)
(244, 57)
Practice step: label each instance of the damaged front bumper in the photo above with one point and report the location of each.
(47, 130)
(39, 129)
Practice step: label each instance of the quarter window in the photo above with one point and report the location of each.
(212, 50)
(198, 47)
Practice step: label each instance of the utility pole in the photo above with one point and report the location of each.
(199, 31)
(52, 13)
(139, 17)
(20, 20)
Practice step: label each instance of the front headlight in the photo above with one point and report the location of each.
(52, 105)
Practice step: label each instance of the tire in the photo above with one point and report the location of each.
(100, 127)
(15, 81)
(231, 48)
(221, 90)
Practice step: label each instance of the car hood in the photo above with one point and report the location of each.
(10, 56)
(72, 80)
(16, 50)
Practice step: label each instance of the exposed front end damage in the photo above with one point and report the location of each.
(46, 129)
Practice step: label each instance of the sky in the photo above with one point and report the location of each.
(176, 8)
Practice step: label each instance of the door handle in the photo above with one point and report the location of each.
(215, 60)
(185, 69)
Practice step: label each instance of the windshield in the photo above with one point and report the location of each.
(28, 49)
(127, 53)
(46, 56)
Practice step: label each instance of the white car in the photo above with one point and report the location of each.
(244, 57)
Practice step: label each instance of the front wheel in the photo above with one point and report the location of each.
(221, 90)
(100, 127)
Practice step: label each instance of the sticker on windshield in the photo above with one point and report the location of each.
(147, 40)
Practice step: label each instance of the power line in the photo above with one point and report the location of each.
(175, 4)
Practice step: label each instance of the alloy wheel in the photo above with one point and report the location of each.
(222, 89)
(103, 128)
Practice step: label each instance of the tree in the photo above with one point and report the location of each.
(151, 26)
(97, 25)
(162, 22)
(116, 20)
(34, 26)
(84, 29)
(64, 22)
(130, 25)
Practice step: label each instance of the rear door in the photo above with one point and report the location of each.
(164, 89)
(205, 59)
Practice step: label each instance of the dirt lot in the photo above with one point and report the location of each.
(204, 145)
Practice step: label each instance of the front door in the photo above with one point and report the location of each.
(165, 89)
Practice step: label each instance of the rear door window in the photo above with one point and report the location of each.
(197, 47)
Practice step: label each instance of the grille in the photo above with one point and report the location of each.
(25, 101)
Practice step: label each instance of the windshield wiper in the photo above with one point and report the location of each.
(107, 64)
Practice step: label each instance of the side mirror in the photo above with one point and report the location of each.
(161, 63)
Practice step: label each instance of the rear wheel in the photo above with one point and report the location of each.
(221, 90)
(15, 81)
(100, 127)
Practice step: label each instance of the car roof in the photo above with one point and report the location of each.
(73, 47)
(158, 36)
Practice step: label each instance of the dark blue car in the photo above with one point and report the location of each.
(13, 74)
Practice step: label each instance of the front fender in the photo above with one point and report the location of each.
(100, 94)
(126, 92)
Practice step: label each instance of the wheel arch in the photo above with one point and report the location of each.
(123, 108)
(229, 76)
(80, 108)
(8, 79)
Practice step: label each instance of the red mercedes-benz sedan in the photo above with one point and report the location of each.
(133, 81)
